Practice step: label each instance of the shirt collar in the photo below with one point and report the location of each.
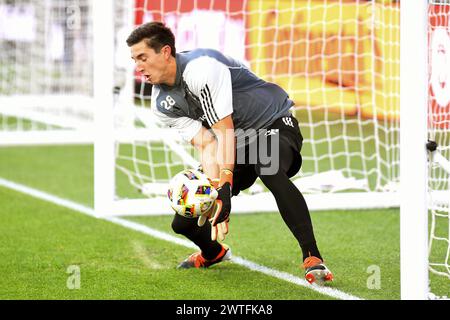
(178, 76)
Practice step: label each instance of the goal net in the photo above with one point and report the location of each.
(45, 72)
(439, 132)
(339, 62)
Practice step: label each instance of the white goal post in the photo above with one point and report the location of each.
(413, 157)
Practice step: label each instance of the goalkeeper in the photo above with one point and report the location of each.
(230, 115)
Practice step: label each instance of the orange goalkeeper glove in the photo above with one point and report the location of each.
(219, 215)
(219, 220)
(220, 229)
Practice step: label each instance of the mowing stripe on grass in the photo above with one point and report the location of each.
(170, 238)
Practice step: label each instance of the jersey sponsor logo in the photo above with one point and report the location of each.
(168, 103)
(288, 121)
(271, 132)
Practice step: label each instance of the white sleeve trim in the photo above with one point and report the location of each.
(210, 80)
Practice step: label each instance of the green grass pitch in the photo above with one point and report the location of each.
(40, 241)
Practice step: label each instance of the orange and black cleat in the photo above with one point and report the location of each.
(196, 259)
(316, 271)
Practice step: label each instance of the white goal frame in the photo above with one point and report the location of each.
(413, 154)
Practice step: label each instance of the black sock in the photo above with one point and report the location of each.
(305, 237)
(294, 211)
(310, 249)
(201, 236)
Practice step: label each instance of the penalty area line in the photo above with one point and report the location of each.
(331, 292)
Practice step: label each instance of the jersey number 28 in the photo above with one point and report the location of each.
(169, 102)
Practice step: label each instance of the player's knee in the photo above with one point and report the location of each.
(273, 171)
(182, 225)
(294, 166)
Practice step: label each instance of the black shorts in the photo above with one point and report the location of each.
(290, 145)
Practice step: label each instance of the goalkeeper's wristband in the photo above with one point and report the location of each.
(215, 183)
(226, 175)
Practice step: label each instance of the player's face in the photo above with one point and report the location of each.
(153, 66)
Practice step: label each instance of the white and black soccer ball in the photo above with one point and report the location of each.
(191, 193)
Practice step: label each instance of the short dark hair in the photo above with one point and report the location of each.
(155, 34)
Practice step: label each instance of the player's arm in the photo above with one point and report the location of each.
(206, 144)
(210, 80)
(217, 150)
(226, 148)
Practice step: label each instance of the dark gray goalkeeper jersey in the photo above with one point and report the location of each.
(210, 86)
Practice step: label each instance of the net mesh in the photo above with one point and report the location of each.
(438, 131)
(338, 60)
(45, 56)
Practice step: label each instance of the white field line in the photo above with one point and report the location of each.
(334, 293)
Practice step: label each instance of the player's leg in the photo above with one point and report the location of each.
(290, 201)
(211, 252)
(201, 236)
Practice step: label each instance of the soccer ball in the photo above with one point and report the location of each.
(191, 193)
